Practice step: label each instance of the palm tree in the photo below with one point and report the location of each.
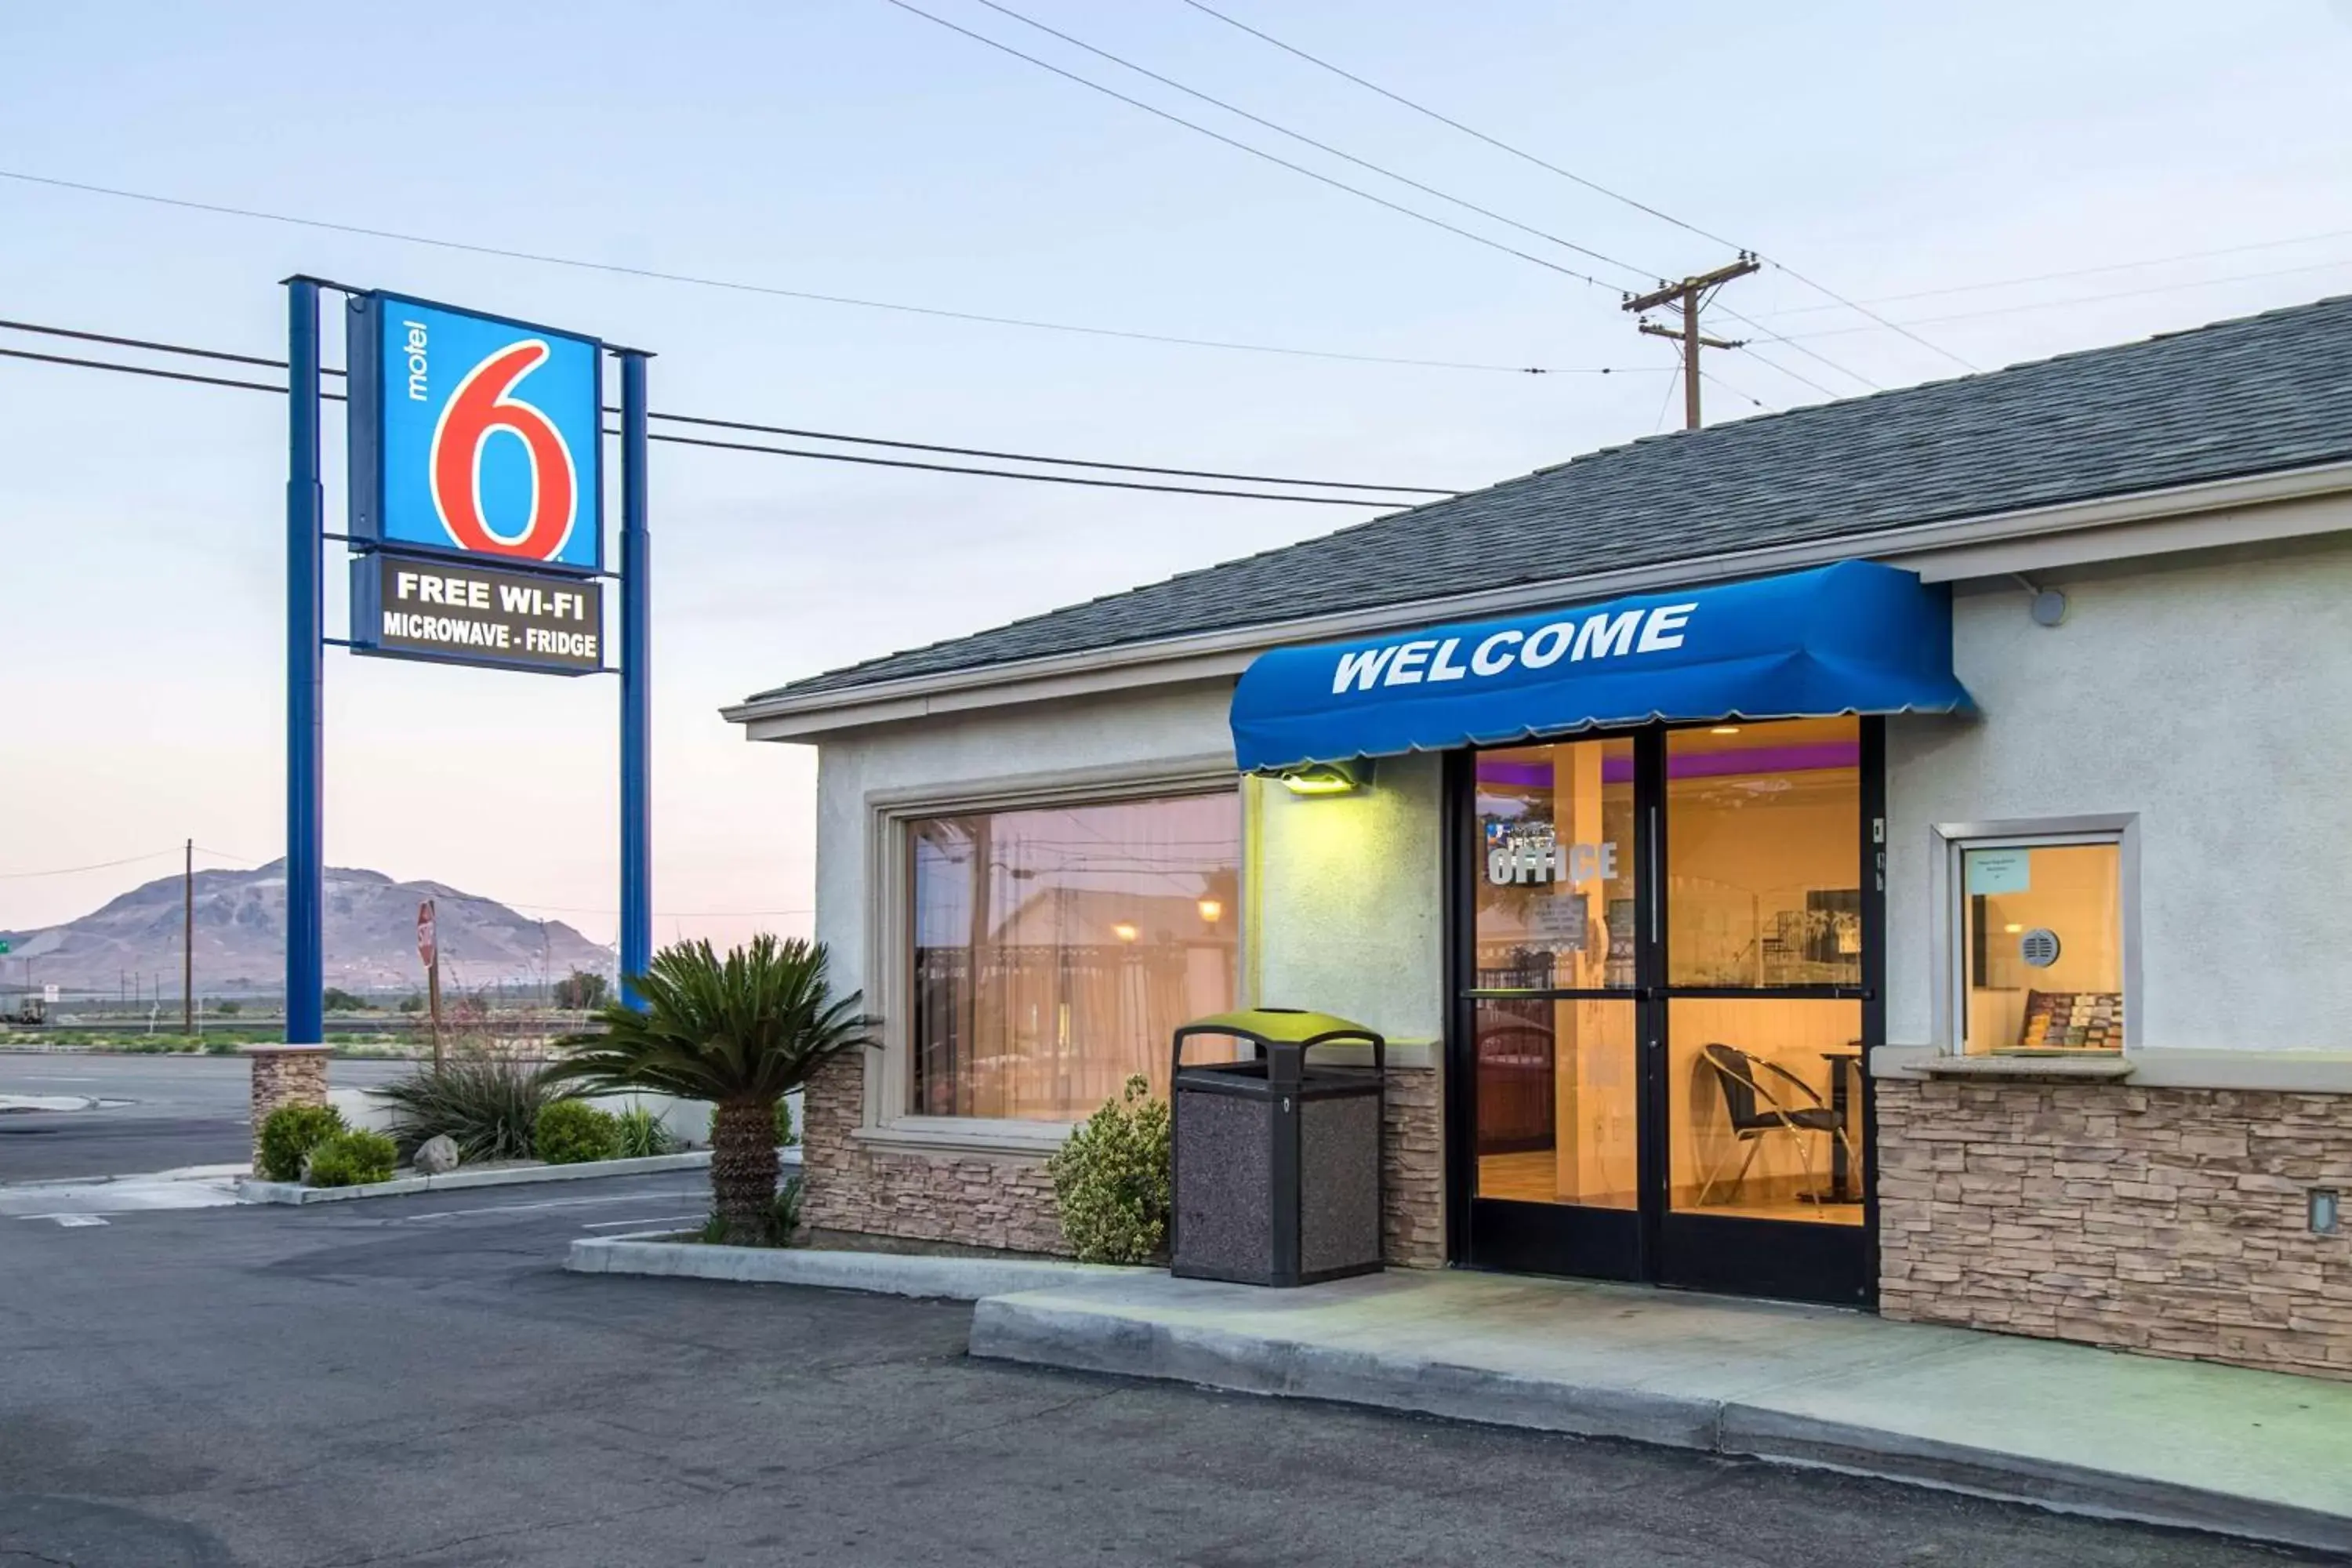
(739, 1032)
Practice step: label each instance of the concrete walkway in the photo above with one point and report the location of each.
(2256, 1454)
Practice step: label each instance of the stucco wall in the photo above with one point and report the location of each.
(1351, 901)
(2210, 695)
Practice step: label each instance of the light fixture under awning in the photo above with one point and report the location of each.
(1855, 638)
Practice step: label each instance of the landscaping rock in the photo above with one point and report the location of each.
(436, 1155)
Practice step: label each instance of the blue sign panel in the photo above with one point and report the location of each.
(475, 436)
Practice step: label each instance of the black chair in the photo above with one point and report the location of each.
(1755, 1112)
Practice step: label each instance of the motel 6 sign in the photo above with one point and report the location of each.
(476, 528)
(476, 488)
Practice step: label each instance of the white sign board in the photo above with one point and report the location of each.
(1999, 871)
(1560, 922)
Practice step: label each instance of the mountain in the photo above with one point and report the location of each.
(240, 937)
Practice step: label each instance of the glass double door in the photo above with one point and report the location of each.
(1665, 950)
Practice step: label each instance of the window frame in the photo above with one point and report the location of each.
(890, 938)
(1948, 926)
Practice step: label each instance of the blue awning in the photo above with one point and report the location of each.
(1855, 637)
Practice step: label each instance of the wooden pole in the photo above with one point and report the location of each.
(1691, 296)
(188, 942)
(433, 1000)
(1690, 358)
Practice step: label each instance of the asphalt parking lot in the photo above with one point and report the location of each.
(416, 1381)
(162, 1112)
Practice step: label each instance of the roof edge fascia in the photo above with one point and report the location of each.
(1962, 542)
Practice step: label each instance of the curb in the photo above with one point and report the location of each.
(1007, 1329)
(880, 1273)
(256, 1192)
(177, 1173)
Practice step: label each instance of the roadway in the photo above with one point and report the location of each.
(160, 1112)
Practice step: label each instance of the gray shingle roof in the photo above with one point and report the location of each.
(2262, 394)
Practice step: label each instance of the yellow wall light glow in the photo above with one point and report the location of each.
(1326, 778)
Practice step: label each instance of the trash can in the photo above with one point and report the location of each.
(1276, 1163)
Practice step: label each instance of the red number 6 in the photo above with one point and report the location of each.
(480, 406)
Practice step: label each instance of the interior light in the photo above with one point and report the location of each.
(2012, 928)
(1124, 932)
(1327, 778)
(1725, 729)
(1211, 910)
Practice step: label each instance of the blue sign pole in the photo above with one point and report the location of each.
(636, 678)
(305, 657)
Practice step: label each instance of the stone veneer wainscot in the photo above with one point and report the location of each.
(2167, 1220)
(1006, 1200)
(283, 1076)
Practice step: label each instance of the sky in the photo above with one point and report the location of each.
(1910, 157)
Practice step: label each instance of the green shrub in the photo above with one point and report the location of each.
(292, 1131)
(642, 1135)
(1111, 1180)
(488, 1106)
(352, 1159)
(776, 1228)
(573, 1132)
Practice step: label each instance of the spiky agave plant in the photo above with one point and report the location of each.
(740, 1032)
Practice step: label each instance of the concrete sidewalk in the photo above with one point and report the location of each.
(2255, 1454)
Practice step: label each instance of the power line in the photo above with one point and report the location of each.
(1791, 338)
(1005, 473)
(1428, 112)
(95, 865)
(1864, 309)
(2095, 271)
(768, 451)
(143, 370)
(1084, 81)
(1736, 392)
(1750, 350)
(1033, 458)
(1316, 176)
(737, 286)
(1568, 175)
(519, 904)
(1658, 426)
(159, 347)
(1310, 142)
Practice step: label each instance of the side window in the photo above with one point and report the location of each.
(2039, 962)
(1055, 948)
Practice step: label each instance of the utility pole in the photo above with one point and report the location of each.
(188, 942)
(1692, 294)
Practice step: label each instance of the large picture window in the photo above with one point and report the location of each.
(1057, 947)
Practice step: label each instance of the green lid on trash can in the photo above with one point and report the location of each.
(1279, 1027)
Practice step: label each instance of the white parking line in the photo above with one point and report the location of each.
(642, 1219)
